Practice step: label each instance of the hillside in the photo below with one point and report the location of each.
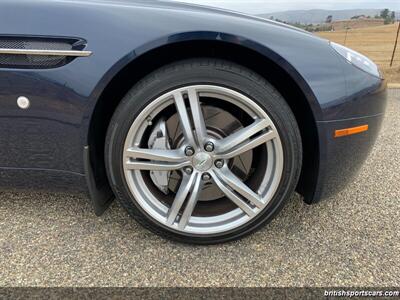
(315, 16)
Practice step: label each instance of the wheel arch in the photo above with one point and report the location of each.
(141, 62)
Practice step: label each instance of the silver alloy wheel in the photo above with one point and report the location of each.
(179, 215)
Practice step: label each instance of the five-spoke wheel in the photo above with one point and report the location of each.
(201, 157)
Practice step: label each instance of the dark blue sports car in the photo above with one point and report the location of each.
(201, 122)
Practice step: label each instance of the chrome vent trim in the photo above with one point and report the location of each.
(40, 52)
(73, 53)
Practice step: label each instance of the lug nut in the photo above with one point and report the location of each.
(209, 147)
(206, 177)
(219, 163)
(189, 151)
(188, 170)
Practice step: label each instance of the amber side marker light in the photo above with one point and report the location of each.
(351, 131)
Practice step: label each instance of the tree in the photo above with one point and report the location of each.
(359, 17)
(385, 13)
(329, 19)
(388, 16)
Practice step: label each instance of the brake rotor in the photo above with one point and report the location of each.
(220, 124)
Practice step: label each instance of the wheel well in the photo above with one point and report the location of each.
(150, 61)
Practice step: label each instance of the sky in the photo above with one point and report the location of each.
(267, 6)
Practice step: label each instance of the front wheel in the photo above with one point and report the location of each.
(203, 151)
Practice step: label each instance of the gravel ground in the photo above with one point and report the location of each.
(350, 240)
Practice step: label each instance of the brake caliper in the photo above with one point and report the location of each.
(159, 140)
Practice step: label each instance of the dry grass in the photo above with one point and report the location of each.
(392, 74)
(375, 42)
(356, 24)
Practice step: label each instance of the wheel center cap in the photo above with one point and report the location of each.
(202, 161)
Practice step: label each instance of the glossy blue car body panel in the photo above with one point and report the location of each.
(51, 135)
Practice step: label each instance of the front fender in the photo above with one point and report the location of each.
(182, 37)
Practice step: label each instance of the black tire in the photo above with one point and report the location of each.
(203, 71)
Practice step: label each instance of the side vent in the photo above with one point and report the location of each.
(38, 52)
